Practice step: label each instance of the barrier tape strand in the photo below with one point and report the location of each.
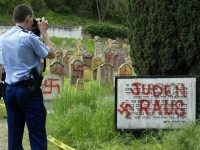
(53, 140)
(2, 105)
(59, 144)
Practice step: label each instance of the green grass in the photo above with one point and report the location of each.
(57, 19)
(84, 120)
(88, 42)
(54, 19)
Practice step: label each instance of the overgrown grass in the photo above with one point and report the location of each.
(57, 19)
(85, 121)
(88, 42)
(54, 19)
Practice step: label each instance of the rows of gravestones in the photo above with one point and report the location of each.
(110, 58)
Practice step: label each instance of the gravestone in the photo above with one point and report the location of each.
(65, 62)
(96, 61)
(59, 55)
(80, 85)
(105, 74)
(126, 48)
(115, 57)
(64, 46)
(109, 57)
(94, 73)
(87, 59)
(129, 60)
(120, 42)
(87, 75)
(51, 86)
(98, 46)
(109, 42)
(125, 70)
(119, 62)
(117, 47)
(114, 46)
(76, 70)
(57, 68)
(78, 55)
(102, 57)
(71, 59)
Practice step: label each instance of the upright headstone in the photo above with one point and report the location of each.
(119, 62)
(129, 60)
(80, 85)
(126, 48)
(109, 57)
(114, 46)
(117, 47)
(64, 46)
(102, 57)
(57, 68)
(120, 42)
(87, 75)
(109, 42)
(106, 74)
(96, 61)
(115, 57)
(78, 55)
(71, 59)
(51, 86)
(65, 62)
(59, 56)
(94, 73)
(125, 70)
(77, 70)
(98, 46)
(87, 59)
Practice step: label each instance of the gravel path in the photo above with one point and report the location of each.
(3, 134)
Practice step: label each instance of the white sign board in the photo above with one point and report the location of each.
(154, 102)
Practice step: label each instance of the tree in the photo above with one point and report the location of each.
(165, 37)
(102, 8)
(7, 6)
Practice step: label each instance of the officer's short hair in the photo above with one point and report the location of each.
(21, 11)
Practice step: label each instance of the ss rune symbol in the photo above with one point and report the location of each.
(125, 108)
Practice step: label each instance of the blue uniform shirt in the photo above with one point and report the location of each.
(20, 52)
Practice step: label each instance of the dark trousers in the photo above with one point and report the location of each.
(23, 108)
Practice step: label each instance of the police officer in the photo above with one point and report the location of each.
(22, 51)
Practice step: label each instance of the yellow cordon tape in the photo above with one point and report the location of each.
(59, 144)
(53, 140)
(2, 105)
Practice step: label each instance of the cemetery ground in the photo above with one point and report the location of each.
(3, 133)
(84, 120)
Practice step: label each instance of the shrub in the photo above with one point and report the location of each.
(164, 37)
(106, 30)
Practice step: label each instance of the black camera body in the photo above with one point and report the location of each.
(35, 28)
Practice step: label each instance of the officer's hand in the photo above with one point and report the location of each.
(43, 25)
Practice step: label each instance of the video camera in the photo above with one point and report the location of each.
(35, 29)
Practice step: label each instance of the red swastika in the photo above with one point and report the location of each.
(125, 108)
(49, 83)
(109, 57)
